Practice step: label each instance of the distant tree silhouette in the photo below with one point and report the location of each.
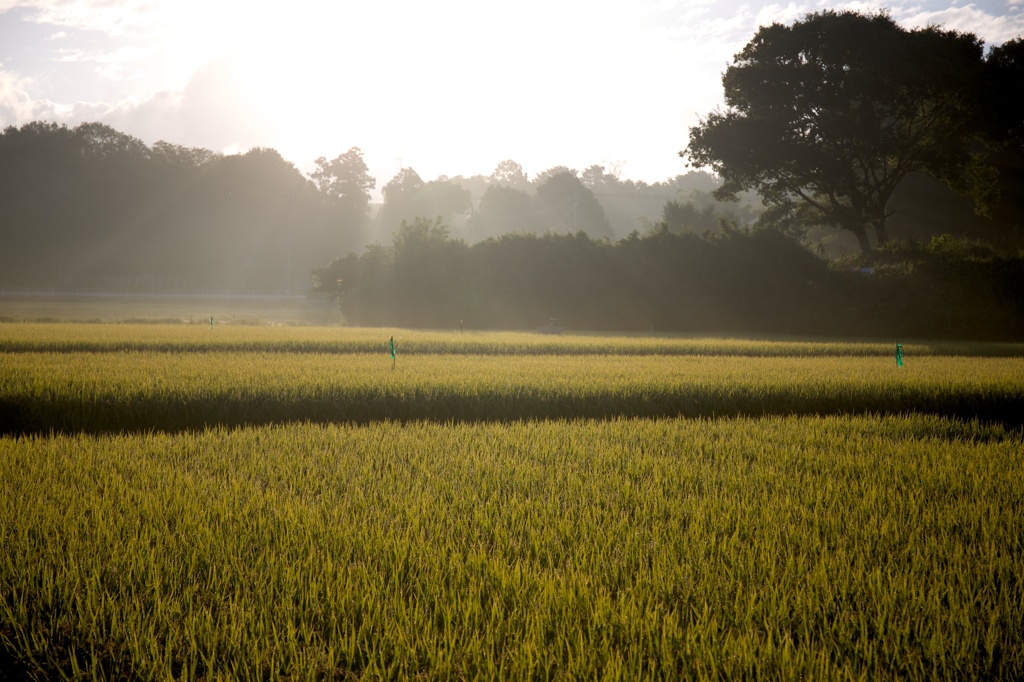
(407, 197)
(346, 182)
(564, 204)
(90, 206)
(503, 210)
(510, 174)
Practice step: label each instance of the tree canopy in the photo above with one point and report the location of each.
(826, 117)
(407, 197)
(564, 204)
(347, 181)
(508, 173)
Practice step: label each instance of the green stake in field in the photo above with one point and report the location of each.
(391, 346)
(211, 324)
(899, 354)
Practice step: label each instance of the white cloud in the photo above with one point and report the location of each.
(152, 119)
(119, 55)
(770, 14)
(17, 107)
(16, 104)
(112, 17)
(868, 7)
(69, 55)
(994, 30)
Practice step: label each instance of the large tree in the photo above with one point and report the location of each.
(564, 204)
(407, 197)
(503, 210)
(1005, 112)
(346, 181)
(399, 199)
(826, 117)
(1005, 89)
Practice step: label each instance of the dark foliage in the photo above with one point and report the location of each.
(827, 117)
(734, 282)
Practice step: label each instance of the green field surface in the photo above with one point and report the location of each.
(141, 390)
(277, 502)
(203, 337)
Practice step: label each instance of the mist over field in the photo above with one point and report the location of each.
(94, 217)
(881, 202)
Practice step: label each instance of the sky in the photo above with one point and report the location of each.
(446, 87)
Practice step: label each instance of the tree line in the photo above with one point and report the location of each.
(835, 122)
(907, 142)
(732, 281)
(91, 206)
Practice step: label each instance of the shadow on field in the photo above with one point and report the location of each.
(12, 669)
(23, 417)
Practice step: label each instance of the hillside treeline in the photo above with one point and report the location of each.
(90, 206)
(730, 282)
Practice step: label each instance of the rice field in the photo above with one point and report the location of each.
(202, 337)
(500, 506)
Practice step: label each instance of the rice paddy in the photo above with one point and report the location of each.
(284, 502)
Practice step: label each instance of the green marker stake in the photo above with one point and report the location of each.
(899, 354)
(391, 346)
(211, 324)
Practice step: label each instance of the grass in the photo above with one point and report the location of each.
(243, 511)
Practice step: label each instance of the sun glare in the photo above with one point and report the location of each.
(449, 88)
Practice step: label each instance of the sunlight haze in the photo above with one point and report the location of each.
(447, 88)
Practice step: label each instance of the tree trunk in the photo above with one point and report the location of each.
(882, 233)
(862, 236)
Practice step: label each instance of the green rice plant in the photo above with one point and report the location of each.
(103, 338)
(133, 391)
(786, 547)
(504, 506)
